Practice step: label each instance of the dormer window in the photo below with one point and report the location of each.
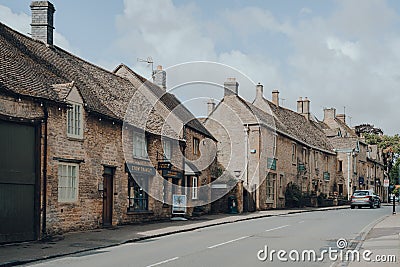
(75, 121)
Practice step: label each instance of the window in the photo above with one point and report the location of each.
(354, 164)
(304, 155)
(274, 147)
(294, 156)
(270, 184)
(281, 184)
(68, 182)
(316, 159)
(137, 196)
(196, 143)
(139, 145)
(194, 187)
(167, 149)
(74, 121)
(340, 165)
(326, 163)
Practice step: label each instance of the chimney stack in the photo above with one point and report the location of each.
(329, 114)
(303, 107)
(275, 97)
(42, 21)
(210, 106)
(160, 77)
(300, 105)
(259, 91)
(231, 87)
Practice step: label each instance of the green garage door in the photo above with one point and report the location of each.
(17, 182)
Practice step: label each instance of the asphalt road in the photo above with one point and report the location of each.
(238, 244)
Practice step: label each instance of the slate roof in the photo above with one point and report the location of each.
(31, 68)
(170, 101)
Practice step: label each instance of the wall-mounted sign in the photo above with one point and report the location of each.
(360, 180)
(164, 165)
(178, 204)
(140, 169)
(172, 174)
(386, 183)
(301, 167)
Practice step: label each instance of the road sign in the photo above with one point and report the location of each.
(386, 183)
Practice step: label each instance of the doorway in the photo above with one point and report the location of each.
(108, 193)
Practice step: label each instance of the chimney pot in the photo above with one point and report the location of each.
(259, 91)
(42, 21)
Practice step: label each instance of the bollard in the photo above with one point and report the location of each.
(394, 205)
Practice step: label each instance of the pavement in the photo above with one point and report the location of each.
(80, 242)
(383, 241)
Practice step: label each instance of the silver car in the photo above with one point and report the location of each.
(365, 198)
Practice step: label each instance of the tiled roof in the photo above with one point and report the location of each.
(297, 126)
(32, 68)
(170, 101)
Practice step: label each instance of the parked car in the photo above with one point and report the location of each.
(365, 198)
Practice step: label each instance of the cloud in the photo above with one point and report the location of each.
(21, 22)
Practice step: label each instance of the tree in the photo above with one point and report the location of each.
(367, 129)
(390, 146)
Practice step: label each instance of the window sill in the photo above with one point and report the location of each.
(269, 202)
(139, 212)
(75, 138)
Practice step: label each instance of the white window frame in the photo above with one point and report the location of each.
(274, 140)
(139, 145)
(270, 187)
(75, 120)
(194, 187)
(63, 185)
(167, 149)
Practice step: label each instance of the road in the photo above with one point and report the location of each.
(239, 243)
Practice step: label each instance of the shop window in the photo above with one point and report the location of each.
(137, 196)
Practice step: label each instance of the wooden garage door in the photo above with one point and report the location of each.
(17, 182)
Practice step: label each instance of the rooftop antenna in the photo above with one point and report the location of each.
(149, 62)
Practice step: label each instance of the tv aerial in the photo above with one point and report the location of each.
(149, 62)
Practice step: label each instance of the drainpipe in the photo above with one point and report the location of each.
(246, 149)
(348, 175)
(44, 203)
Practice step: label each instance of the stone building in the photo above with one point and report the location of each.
(359, 164)
(82, 145)
(274, 146)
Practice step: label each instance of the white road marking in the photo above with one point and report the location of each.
(300, 221)
(276, 228)
(162, 262)
(230, 241)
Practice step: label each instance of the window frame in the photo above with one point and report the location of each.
(196, 146)
(139, 139)
(75, 127)
(134, 187)
(294, 153)
(270, 188)
(75, 182)
(195, 187)
(167, 152)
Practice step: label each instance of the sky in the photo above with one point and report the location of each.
(339, 53)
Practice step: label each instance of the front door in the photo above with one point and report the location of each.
(108, 193)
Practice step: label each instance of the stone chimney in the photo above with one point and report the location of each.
(231, 87)
(303, 107)
(210, 106)
(160, 77)
(259, 91)
(42, 21)
(329, 114)
(300, 105)
(341, 117)
(275, 97)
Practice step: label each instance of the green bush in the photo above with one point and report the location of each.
(293, 196)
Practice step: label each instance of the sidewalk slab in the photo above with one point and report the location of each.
(77, 242)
